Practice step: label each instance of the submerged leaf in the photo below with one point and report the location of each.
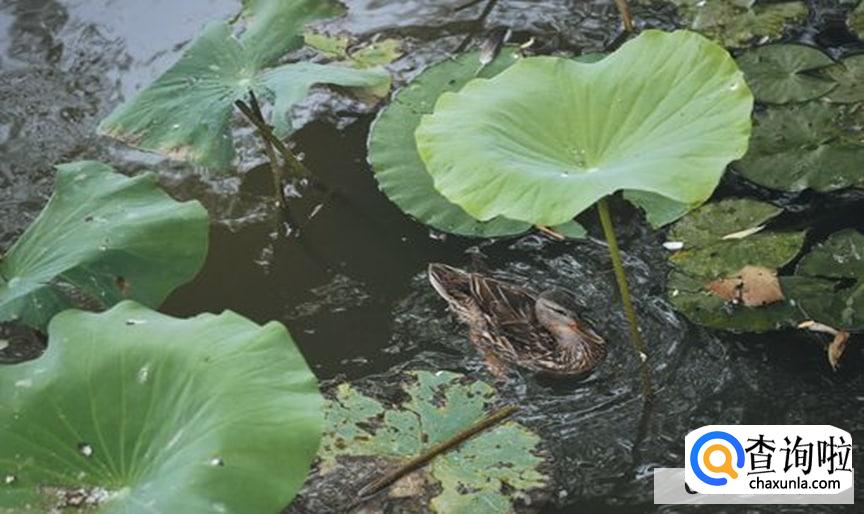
(136, 411)
(102, 238)
(699, 284)
(784, 73)
(810, 146)
(482, 476)
(735, 23)
(829, 282)
(185, 113)
(546, 138)
(401, 174)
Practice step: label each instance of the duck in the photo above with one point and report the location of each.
(512, 326)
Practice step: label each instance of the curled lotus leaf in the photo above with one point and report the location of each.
(102, 238)
(720, 240)
(814, 145)
(780, 74)
(484, 475)
(131, 411)
(546, 138)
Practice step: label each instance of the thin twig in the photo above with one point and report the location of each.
(478, 24)
(297, 167)
(626, 18)
(550, 232)
(421, 460)
(275, 169)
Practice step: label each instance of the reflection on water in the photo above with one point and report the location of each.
(351, 287)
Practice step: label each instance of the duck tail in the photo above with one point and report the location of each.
(445, 279)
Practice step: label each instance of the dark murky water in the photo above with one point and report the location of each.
(350, 287)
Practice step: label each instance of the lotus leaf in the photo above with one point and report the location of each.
(482, 476)
(780, 74)
(131, 411)
(546, 138)
(400, 172)
(734, 23)
(829, 282)
(856, 20)
(849, 75)
(813, 145)
(102, 238)
(707, 257)
(186, 112)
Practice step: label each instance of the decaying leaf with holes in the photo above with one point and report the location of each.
(365, 437)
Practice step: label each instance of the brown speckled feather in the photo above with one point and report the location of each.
(503, 322)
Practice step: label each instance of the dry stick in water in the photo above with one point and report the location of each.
(421, 460)
(478, 23)
(266, 132)
(626, 18)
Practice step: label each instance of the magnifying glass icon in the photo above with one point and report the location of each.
(725, 466)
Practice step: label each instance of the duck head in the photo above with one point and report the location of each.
(553, 313)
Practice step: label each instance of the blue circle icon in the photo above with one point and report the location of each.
(697, 446)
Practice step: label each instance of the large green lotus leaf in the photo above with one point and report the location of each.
(186, 112)
(734, 23)
(829, 282)
(482, 476)
(400, 172)
(131, 411)
(102, 238)
(780, 74)
(813, 145)
(706, 256)
(546, 138)
(856, 20)
(849, 75)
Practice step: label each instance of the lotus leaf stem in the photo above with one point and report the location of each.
(421, 460)
(621, 278)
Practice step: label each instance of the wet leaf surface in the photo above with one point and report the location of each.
(809, 146)
(829, 282)
(483, 475)
(102, 238)
(780, 74)
(186, 112)
(707, 258)
(545, 139)
(132, 408)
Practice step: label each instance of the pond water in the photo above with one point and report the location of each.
(349, 282)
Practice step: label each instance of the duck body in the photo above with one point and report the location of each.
(513, 326)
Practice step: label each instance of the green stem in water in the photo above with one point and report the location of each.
(621, 278)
